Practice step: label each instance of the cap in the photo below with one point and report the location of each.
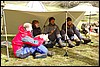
(28, 26)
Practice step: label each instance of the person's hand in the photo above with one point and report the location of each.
(52, 31)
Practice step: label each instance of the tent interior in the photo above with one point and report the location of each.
(14, 18)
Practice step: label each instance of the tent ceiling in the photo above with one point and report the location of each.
(36, 6)
(26, 14)
(16, 17)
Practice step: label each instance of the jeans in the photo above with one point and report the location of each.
(26, 51)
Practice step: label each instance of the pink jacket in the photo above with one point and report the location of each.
(17, 42)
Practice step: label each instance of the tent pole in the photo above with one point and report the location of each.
(6, 35)
(89, 22)
(66, 27)
(66, 51)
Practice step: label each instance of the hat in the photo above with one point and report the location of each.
(28, 26)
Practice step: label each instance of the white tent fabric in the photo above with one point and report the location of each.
(36, 6)
(85, 7)
(76, 16)
(17, 7)
(88, 8)
(15, 18)
(15, 15)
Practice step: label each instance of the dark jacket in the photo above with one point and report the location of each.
(70, 30)
(64, 26)
(36, 31)
(49, 28)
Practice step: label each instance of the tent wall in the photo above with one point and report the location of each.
(15, 18)
(76, 16)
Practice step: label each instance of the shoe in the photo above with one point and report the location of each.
(77, 43)
(40, 56)
(50, 53)
(70, 44)
(86, 40)
(62, 45)
(49, 44)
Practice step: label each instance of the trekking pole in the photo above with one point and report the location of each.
(6, 36)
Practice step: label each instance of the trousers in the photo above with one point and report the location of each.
(26, 51)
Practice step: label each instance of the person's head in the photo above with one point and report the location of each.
(69, 21)
(51, 20)
(27, 26)
(35, 24)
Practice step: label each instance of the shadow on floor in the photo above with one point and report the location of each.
(82, 58)
(4, 51)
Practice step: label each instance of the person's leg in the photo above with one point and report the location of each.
(42, 49)
(49, 44)
(75, 38)
(24, 52)
(70, 44)
(63, 34)
(52, 41)
(41, 52)
(78, 34)
(61, 44)
(81, 37)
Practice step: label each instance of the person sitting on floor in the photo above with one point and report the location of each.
(24, 45)
(71, 30)
(36, 28)
(53, 32)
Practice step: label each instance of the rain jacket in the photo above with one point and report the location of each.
(49, 28)
(17, 42)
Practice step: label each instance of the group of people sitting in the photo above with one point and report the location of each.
(93, 27)
(30, 40)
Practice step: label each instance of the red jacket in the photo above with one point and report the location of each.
(17, 42)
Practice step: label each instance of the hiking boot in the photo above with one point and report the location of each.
(50, 53)
(49, 44)
(64, 44)
(40, 56)
(77, 42)
(86, 40)
(61, 44)
(70, 44)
